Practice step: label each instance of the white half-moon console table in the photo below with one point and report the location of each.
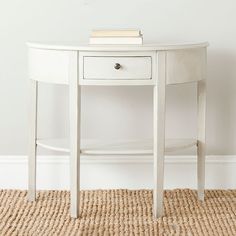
(121, 65)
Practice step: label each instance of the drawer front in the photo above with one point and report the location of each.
(117, 67)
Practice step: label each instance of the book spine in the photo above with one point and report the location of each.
(120, 40)
(121, 33)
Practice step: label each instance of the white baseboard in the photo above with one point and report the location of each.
(133, 172)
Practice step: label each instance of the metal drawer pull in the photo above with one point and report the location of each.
(117, 66)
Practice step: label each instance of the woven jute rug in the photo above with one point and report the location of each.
(118, 212)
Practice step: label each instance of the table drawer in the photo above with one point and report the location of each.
(117, 67)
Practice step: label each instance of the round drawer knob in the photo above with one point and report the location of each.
(117, 66)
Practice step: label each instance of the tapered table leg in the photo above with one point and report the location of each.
(159, 137)
(32, 141)
(74, 94)
(201, 140)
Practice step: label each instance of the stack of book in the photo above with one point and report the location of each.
(116, 37)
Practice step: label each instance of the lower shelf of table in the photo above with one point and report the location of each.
(101, 147)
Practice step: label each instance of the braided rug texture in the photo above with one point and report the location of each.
(118, 212)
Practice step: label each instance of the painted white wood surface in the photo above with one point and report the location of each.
(138, 75)
(201, 136)
(116, 147)
(130, 68)
(170, 64)
(50, 66)
(74, 101)
(115, 48)
(32, 140)
(117, 171)
(185, 66)
(159, 100)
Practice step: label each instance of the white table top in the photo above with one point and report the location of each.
(144, 47)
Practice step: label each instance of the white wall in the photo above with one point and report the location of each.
(122, 111)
